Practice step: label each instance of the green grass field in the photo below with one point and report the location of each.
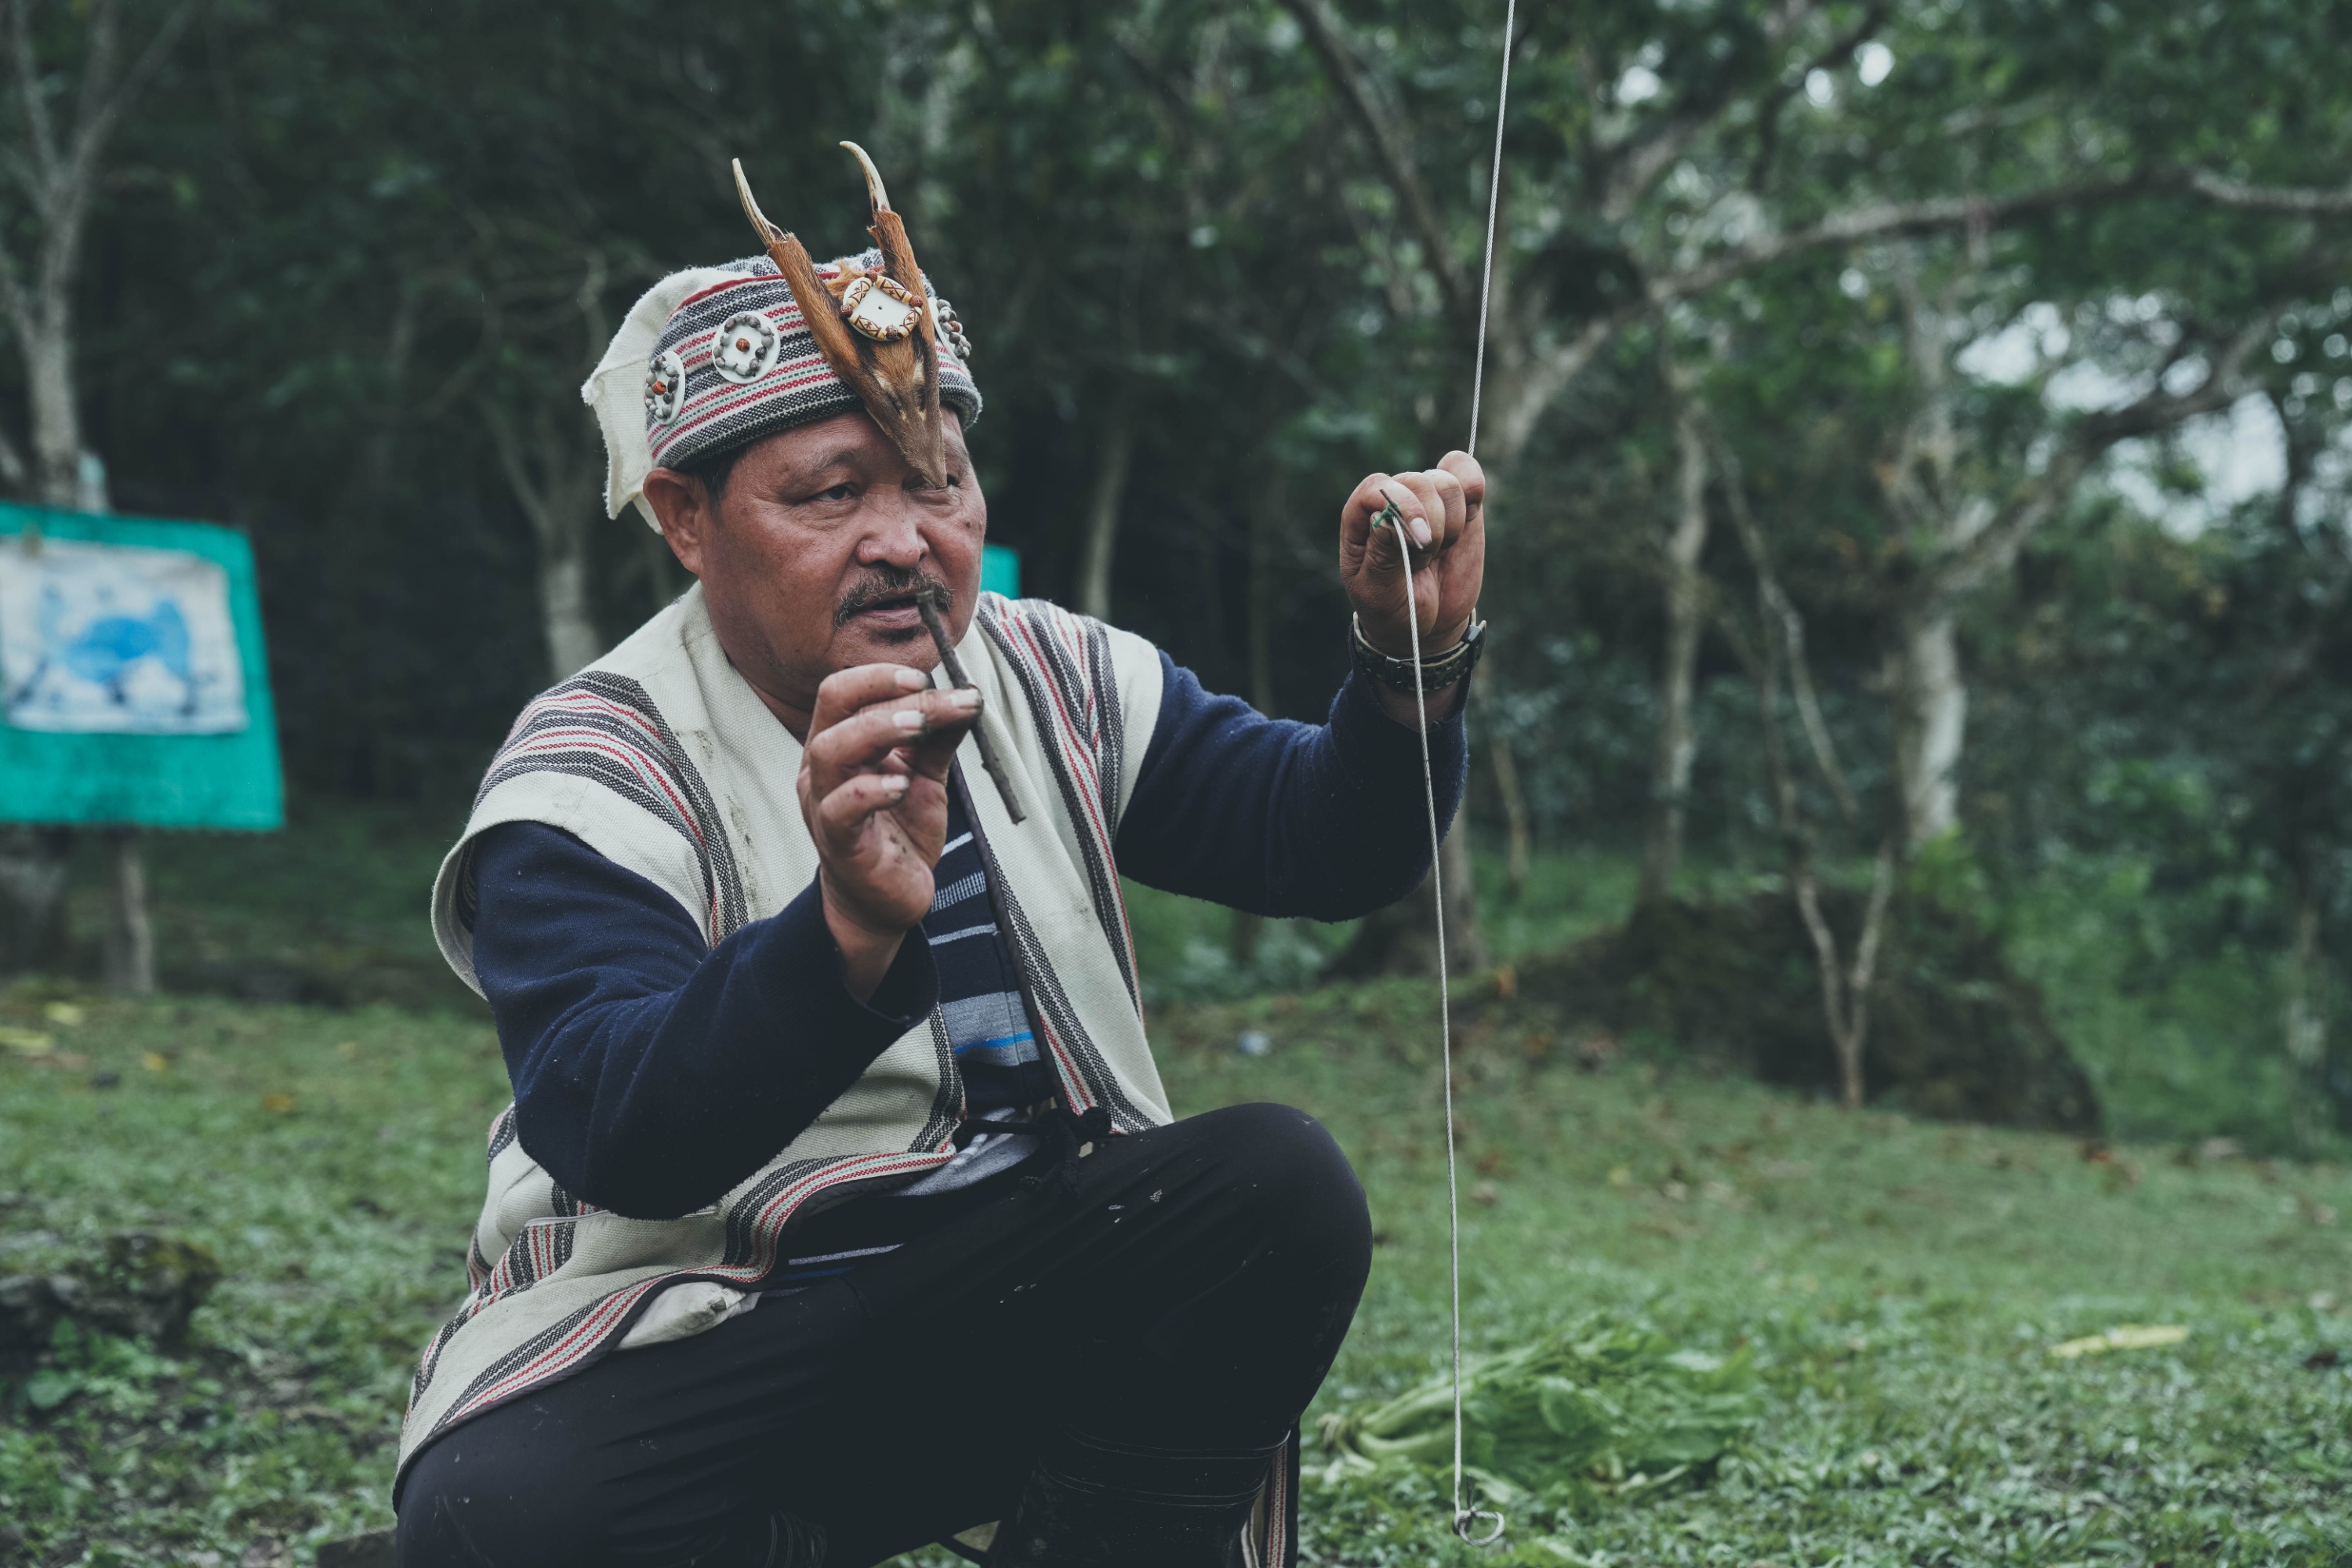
(1897, 1283)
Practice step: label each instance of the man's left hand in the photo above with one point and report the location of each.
(1444, 510)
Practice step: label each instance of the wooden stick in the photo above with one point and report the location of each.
(927, 604)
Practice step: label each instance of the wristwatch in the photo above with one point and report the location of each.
(1454, 664)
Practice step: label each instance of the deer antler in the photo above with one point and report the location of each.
(897, 379)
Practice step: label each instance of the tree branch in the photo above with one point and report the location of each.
(1394, 154)
(100, 118)
(14, 302)
(2094, 436)
(1768, 112)
(2228, 193)
(1773, 605)
(28, 85)
(1643, 160)
(97, 71)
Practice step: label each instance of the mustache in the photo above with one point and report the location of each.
(887, 582)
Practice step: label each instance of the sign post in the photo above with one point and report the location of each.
(134, 693)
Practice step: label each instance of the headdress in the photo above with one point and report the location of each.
(715, 357)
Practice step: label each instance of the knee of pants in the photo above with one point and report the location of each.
(1296, 1182)
(466, 1505)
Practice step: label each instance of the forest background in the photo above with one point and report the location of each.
(1919, 675)
(1918, 430)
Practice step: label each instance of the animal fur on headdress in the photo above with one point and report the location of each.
(898, 378)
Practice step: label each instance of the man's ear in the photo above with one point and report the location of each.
(683, 503)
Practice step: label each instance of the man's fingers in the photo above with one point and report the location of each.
(1364, 503)
(863, 739)
(1439, 496)
(846, 691)
(841, 810)
(933, 753)
(1469, 474)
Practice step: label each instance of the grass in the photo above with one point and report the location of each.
(332, 910)
(1899, 1285)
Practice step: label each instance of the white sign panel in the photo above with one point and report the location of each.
(113, 637)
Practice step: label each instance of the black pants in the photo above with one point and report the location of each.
(1184, 1296)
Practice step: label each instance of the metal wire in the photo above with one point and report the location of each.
(1466, 1517)
(1494, 205)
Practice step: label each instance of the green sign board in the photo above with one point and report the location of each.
(999, 570)
(133, 688)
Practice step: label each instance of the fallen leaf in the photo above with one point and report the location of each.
(65, 1014)
(1619, 1175)
(281, 1103)
(349, 1050)
(2122, 1337)
(27, 1042)
(1484, 1192)
(154, 1061)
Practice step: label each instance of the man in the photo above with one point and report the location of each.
(804, 1015)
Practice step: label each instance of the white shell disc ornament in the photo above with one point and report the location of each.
(745, 347)
(664, 387)
(880, 307)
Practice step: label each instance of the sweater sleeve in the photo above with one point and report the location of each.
(650, 1075)
(1283, 818)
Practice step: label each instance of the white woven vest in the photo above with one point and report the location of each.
(661, 758)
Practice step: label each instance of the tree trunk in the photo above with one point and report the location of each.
(2306, 1018)
(1265, 518)
(33, 879)
(49, 391)
(1521, 837)
(1931, 710)
(1677, 739)
(557, 484)
(563, 595)
(131, 946)
(1465, 940)
(1102, 513)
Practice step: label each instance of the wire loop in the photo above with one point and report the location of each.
(1467, 1518)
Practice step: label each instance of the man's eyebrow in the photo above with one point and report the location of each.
(847, 457)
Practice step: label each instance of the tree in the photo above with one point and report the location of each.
(55, 170)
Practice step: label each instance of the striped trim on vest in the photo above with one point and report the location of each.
(1064, 662)
(754, 1224)
(605, 728)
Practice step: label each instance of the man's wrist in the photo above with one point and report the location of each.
(866, 954)
(1443, 661)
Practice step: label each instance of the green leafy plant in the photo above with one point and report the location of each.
(1596, 1408)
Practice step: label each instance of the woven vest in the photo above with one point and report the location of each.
(662, 759)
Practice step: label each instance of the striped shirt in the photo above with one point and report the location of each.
(995, 1052)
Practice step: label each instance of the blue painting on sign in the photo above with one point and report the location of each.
(102, 638)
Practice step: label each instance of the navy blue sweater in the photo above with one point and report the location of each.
(652, 1074)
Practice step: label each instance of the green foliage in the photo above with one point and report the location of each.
(1891, 1286)
(1592, 1409)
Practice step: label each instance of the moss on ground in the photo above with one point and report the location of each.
(1898, 1282)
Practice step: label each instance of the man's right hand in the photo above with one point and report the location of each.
(873, 790)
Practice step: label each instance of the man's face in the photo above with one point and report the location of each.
(811, 557)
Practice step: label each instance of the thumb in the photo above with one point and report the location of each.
(1387, 550)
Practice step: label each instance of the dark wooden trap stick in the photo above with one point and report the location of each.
(927, 604)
